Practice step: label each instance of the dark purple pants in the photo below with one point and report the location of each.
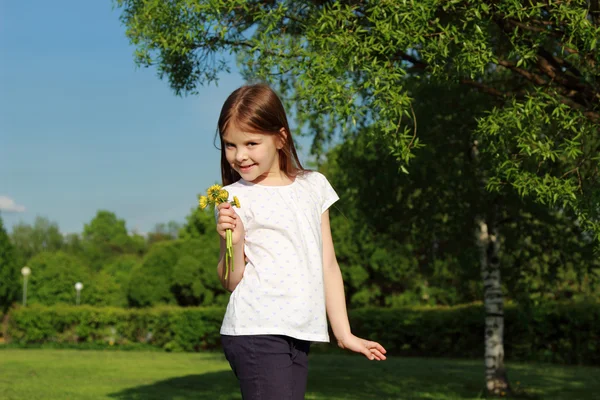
(268, 367)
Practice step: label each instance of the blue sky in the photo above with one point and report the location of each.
(82, 128)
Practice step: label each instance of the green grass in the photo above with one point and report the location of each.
(119, 375)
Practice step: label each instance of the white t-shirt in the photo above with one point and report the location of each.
(282, 289)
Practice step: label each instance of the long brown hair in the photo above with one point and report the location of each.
(257, 109)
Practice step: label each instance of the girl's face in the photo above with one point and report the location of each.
(254, 156)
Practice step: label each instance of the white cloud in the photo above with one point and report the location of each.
(7, 204)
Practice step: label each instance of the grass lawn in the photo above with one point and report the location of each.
(127, 375)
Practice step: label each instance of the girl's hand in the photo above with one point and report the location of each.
(371, 350)
(228, 219)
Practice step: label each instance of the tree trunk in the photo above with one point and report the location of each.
(495, 374)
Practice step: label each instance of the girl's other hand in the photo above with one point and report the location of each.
(228, 219)
(371, 350)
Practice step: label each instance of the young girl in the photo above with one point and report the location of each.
(286, 278)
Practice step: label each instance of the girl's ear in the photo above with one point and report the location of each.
(283, 137)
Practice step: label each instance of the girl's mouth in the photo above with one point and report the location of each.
(246, 168)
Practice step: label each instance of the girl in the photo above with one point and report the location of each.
(286, 278)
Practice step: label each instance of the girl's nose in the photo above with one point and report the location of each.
(240, 156)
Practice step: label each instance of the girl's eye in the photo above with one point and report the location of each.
(252, 144)
(229, 145)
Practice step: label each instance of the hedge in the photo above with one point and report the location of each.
(555, 332)
(567, 333)
(169, 327)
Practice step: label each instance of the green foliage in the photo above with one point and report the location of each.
(106, 237)
(115, 267)
(178, 272)
(150, 281)
(9, 271)
(30, 240)
(195, 281)
(553, 332)
(567, 332)
(53, 276)
(198, 224)
(170, 328)
(342, 66)
(406, 239)
(163, 231)
(74, 245)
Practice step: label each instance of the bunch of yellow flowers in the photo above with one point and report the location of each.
(216, 195)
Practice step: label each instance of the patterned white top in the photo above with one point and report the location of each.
(282, 290)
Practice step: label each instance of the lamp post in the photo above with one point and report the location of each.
(78, 287)
(25, 271)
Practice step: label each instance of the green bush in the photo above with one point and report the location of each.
(566, 333)
(169, 327)
(555, 332)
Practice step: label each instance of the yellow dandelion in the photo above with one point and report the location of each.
(223, 196)
(213, 193)
(236, 202)
(203, 202)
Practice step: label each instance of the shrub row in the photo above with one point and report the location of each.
(169, 327)
(566, 333)
(555, 332)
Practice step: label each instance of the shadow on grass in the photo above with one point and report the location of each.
(353, 378)
(220, 385)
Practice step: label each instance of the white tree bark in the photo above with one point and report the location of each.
(495, 372)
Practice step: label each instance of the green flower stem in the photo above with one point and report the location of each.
(228, 253)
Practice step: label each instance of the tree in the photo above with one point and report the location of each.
(150, 281)
(164, 231)
(181, 271)
(195, 280)
(30, 240)
(197, 224)
(343, 65)
(420, 223)
(106, 237)
(73, 244)
(53, 278)
(9, 271)
(120, 269)
(432, 213)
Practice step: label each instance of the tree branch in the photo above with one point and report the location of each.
(485, 88)
(535, 78)
(414, 61)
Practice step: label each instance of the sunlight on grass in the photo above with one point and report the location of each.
(71, 374)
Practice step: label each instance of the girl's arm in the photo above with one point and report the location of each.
(228, 219)
(239, 265)
(336, 301)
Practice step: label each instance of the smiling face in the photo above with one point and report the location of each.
(256, 143)
(255, 156)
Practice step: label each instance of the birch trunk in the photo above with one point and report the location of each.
(495, 373)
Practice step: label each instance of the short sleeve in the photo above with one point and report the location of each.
(328, 194)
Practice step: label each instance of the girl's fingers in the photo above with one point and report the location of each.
(374, 351)
(375, 345)
(228, 213)
(368, 354)
(374, 354)
(378, 355)
(232, 219)
(224, 227)
(226, 221)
